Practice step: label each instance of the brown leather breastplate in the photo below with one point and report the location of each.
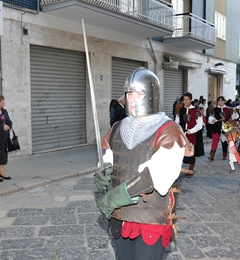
(156, 208)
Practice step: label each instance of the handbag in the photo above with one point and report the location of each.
(13, 144)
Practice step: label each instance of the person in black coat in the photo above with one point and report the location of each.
(5, 126)
(199, 147)
(174, 107)
(111, 110)
(119, 110)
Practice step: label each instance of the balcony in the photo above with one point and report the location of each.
(191, 33)
(141, 18)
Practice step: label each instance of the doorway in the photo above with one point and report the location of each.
(213, 87)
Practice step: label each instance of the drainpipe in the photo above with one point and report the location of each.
(1, 65)
(154, 55)
(156, 72)
(22, 26)
(204, 16)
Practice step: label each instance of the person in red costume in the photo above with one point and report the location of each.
(190, 119)
(140, 150)
(220, 115)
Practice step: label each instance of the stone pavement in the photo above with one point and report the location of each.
(44, 168)
(59, 219)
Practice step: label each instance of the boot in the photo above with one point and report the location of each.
(238, 149)
(191, 168)
(224, 149)
(224, 156)
(212, 154)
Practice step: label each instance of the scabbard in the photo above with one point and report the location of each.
(140, 184)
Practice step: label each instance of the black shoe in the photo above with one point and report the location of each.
(6, 178)
(1, 180)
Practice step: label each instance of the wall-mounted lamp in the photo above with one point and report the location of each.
(227, 80)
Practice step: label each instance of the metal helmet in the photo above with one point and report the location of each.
(143, 80)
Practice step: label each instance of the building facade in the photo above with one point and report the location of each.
(43, 62)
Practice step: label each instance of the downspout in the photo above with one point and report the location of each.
(22, 27)
(1, 79)
(154, 55)
(1, 4)
(156, 71)
(204, 16)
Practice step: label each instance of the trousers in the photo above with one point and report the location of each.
(136, 249)
(215, 139)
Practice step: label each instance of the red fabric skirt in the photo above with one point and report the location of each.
(150, 233)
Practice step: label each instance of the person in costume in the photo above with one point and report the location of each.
(5, 126)
(233, 151)
(190, 119)
(220, 115)
(140, 150)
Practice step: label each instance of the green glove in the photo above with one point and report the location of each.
(103, 178)
(114, 199)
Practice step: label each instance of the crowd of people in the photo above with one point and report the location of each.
(214, 114)
(144, 152)
(204, 117)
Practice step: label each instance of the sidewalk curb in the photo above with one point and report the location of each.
(39, 181)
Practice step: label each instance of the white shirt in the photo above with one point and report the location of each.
(199, 122)
(212, 119)
(204, 108)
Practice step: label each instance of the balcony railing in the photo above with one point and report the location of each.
(189, 25)
(150, 11)
(29, 4)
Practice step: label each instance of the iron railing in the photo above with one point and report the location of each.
(156, 12)
(189, 25)
(29, 4)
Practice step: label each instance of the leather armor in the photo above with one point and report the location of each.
(154, 209)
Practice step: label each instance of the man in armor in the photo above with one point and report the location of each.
(220, 115)
(141, 148)
(190, 119)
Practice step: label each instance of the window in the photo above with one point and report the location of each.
(220, 24)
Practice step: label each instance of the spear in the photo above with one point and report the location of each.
(94, 108)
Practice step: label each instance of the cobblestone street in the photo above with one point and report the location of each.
(61, 221)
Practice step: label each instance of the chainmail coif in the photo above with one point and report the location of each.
(134, 130)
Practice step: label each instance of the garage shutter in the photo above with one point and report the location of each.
(121, 68)
(173, 87)
(58, 98)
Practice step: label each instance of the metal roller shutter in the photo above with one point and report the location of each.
(58, 98)
(121, 68)
(173, 87)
